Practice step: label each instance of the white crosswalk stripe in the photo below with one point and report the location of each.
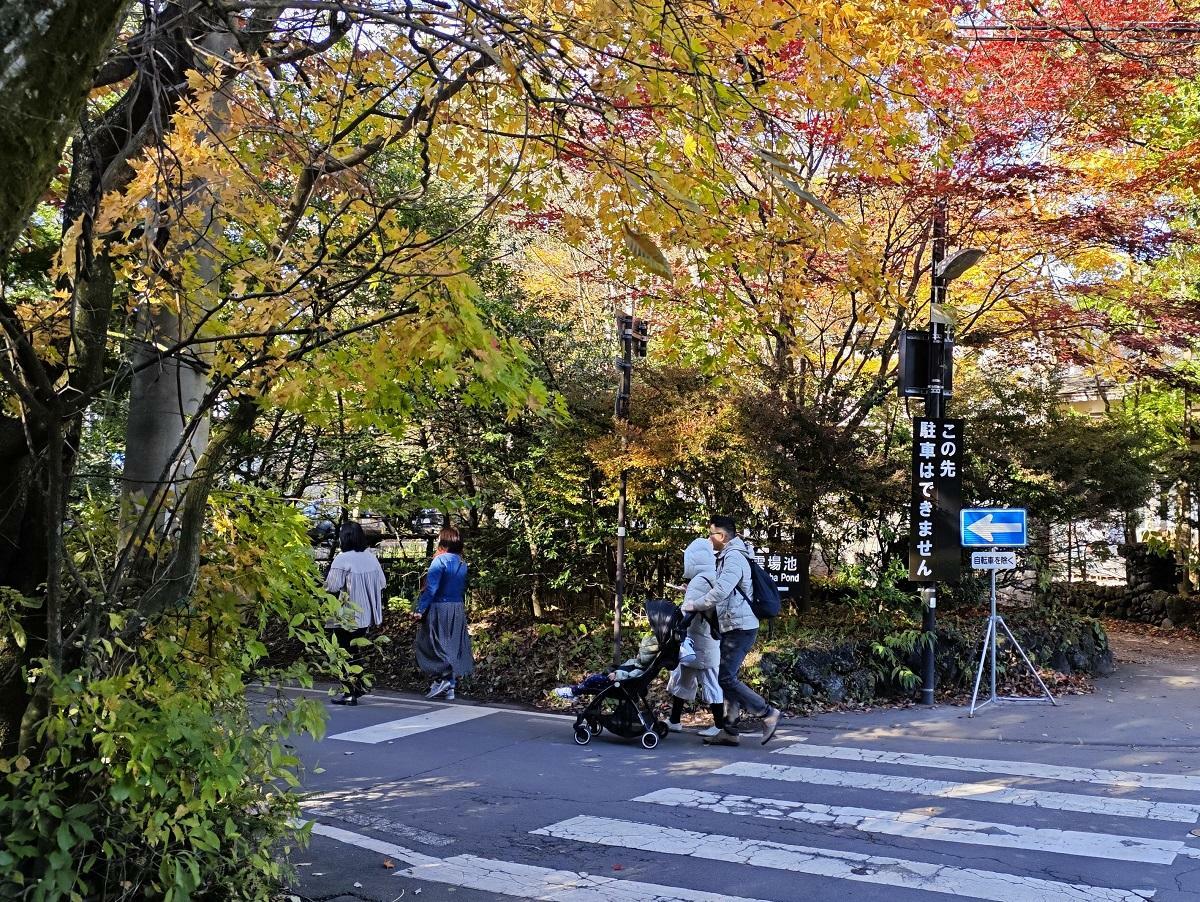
(973, 883)
(523, 881)
(914, 825)
(411, 726)
(1121, 778)
(994, 792)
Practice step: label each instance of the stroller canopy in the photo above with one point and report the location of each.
(664, 620)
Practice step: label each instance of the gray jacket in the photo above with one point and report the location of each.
(733, 574)
(700, 570)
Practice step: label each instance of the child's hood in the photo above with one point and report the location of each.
(699, 559)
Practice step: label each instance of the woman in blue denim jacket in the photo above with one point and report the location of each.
(443, 645)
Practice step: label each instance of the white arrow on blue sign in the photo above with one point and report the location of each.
(993, 526)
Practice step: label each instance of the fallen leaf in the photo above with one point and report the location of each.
(387, 863)
(618, 867)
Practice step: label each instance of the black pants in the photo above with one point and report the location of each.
(717, 711)
(344, 638)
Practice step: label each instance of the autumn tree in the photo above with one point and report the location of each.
(263, 209)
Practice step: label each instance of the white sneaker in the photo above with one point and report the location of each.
(675, 727)
(708, 731)
(564, 692)
(438, 688)
(450, 694)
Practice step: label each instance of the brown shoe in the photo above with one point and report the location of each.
(723, 738)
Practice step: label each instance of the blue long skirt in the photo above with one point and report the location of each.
(443, 645)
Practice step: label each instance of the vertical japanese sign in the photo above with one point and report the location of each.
(933, 546)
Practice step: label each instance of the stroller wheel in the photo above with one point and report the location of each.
(595, 728)
(661, 728)
(582, 735)
(649, 739)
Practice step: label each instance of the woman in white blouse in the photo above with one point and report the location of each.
(355, 572)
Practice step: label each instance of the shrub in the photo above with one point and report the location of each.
(153, 774)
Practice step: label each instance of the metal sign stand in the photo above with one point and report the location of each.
(989, 644)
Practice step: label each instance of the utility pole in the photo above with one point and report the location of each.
(633, 334)
(926, 371)
(935, 408)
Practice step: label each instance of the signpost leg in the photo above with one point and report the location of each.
(989, 641)
(1028, 664)
(992, 630)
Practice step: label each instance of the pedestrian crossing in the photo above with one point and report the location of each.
(915, 825)
(973, 883)
(1008, 786)
(1000, 792)
(853, 822)
(414, 725)
(1119, 778)
(524, 881)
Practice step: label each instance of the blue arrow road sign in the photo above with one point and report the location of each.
(993, 527)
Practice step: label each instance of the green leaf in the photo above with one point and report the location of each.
(809, 198)
(645, 250)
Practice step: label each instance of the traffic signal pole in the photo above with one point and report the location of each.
(632, 333)
(935, 408)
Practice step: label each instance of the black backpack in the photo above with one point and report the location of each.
(765, 601)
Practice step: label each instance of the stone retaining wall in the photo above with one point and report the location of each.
(1140, 603)
(1063, 641)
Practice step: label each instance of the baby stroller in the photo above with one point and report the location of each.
(621, 706)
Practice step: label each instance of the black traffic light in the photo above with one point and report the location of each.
(914, 364)
(641, 332)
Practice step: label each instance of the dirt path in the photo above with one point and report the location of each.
(1136, 643)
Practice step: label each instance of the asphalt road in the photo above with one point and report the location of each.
(1096, 799)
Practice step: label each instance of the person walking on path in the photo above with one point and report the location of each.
(443, 645)
(739, 627)
(357, 573)
(700, 571)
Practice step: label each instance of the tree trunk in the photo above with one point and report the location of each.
(1071, 548)
(174, 586)
(802, 538)
(49, 51)
(1183, 536)
(535, 552)
(1040, 554)
(168, 428)
(165, 397)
